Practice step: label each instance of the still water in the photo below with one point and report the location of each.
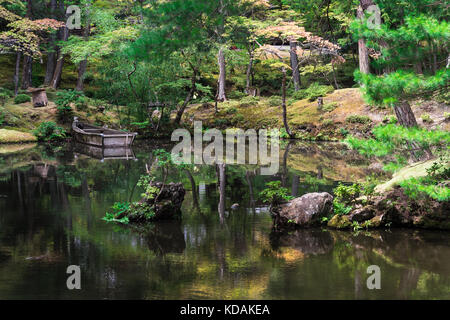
(52, 202)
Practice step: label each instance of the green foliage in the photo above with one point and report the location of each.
(3, 98)
(275, 101)
(358, 119)
(49, 132)
(64, 100)
(418, 187)
(347, 194)
(391, 138)
(390, 119)
(329, 107)
(6, 92)
(340, 208)
(426, 118)
(22, 98)
(313, 92)
(249, 101)
(119, 208)
(434, 185)
(274, 194)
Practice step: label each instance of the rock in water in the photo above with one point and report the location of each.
(308, 210)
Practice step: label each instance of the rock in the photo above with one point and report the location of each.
(308, 210)
(362, 214)
(340, 222)
(166, 205)
(235, 206)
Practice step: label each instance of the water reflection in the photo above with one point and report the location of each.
(51, 205)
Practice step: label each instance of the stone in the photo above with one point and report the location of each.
(362, 214)
(340, 222)
(308, 210)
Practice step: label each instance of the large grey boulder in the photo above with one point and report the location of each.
(308, 210)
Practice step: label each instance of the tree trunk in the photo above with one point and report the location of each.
(404, 114)
(294, 65)
(51, 54)
(222, 196)
(364, 66)
(222, 77)
(64, 35)
(249, 70)
(27, 71)
(16, 73)
(285, 122)
(187, 100)
(81, 71)
(83, 64)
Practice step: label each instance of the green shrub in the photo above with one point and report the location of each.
(347, 194)
(249, 101)
(390, 119)
(64, 99)
(3, 98)
(275, 101)
(49, 132)
(236, 94)
(22, 98)
(7, 92)
(328, 107)
(327, 122)
(274, 194)
(313, 92)
(426, 118)
(358, 119)
(237, 118)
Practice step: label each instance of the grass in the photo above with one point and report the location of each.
(12, 136)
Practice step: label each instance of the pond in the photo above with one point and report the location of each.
(52, 203)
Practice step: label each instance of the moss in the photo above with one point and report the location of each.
(339, 222)
(12, 136)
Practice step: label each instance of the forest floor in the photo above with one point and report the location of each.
(344, 112)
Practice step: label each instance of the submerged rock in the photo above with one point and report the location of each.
(308, 210)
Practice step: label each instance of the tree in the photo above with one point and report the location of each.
(24, 37)
(419, 37)
(290, 31)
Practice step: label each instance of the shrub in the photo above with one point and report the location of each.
(330, 107)
(327, 122)
(358, 119)
(64, 99)
(249, 101)
(275, 101)
(274, 194)
(347, 194)
(7, 92)
(3, 98)
(236, 95)
(49, 132)
(426, 118)
(390, 119)
(22, 98)
(313, 92)
(237, 118)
